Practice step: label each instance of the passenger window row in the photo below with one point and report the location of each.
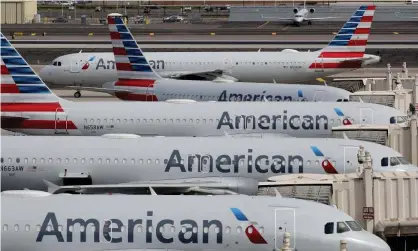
(138, 228)
(149, 161)
(297, 121)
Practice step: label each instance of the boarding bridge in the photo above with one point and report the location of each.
(402, 138)
(383, 203)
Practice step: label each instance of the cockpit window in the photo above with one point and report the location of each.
(401, 119)
(342, 227)
(354, 225)
(384, 162)
(298, 15)
(392, 120)
(394, 161)
(403, 161)
(329, 228)
(56, 63)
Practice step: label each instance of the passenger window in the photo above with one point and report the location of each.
(27, 228)
(329, 228)
(5, 227)
(1, 160)
(342, 227)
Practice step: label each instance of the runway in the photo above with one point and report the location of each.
(213, 26)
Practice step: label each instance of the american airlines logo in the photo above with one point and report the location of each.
(225, 96)
(163, 231)
(239, 163)
(110, 64)
(266, 122)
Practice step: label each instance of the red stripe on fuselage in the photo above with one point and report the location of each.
(371, 8)
(336, 54)
(135, 97)
(4, 70)
(39, 124)
(338, 65)
(8, 88)
(31, 107)
(135, 82)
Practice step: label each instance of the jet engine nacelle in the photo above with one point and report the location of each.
(295, 10)
(225, 79)
(312, 10)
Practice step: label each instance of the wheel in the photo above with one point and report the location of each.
(77, 94)
(309, 22)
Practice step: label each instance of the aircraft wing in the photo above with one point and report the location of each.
(209, 75)
(213, 186)
(317, 18)
(98, 89)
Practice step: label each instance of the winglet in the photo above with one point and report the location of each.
(51, 186)
(361, 100)
(345, 136)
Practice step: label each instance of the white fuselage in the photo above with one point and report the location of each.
(198, 223)
(260, 67)
(113, 160)
(300, 119)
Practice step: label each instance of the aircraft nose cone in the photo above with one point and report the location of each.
(379, 245)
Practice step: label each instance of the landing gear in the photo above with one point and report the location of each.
(309, 22)
(77, 94)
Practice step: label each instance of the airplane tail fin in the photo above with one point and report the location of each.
(350, 42)
(22, 90)
(133, 68)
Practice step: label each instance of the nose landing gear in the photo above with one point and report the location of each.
(309, 22)
(77, 94)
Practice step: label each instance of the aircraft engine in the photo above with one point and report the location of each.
(225, 79)
(295, 10)
(312, 10)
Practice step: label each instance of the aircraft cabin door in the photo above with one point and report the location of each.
(350, 159)
(319, 95)
(75, 66)
(150, 96)
(205, 165)
(319, 64)
(285, 221)
(366, 116)
(61, 122)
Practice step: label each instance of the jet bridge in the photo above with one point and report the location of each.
(383, 203)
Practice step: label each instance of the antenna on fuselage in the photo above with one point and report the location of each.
(259, 50)
(80, 51)
(152, 191)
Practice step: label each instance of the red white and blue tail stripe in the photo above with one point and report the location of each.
(27, 104)
(19, 82)
(347, 48)
(134, 70)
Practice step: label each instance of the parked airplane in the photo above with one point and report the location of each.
(145, 222)
(87, 71)
(120, 162)
(28, 106)
(301, 15)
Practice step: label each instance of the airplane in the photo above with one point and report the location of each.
(28, 106)
(346, 52)
(170, 222)
(127, 87)
(301, 15)
(130, 162)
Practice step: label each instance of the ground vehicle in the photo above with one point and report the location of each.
(60, 20)
(208, 8)
(98, 8)
(138, 19)
(187, 8)
(173, 19)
